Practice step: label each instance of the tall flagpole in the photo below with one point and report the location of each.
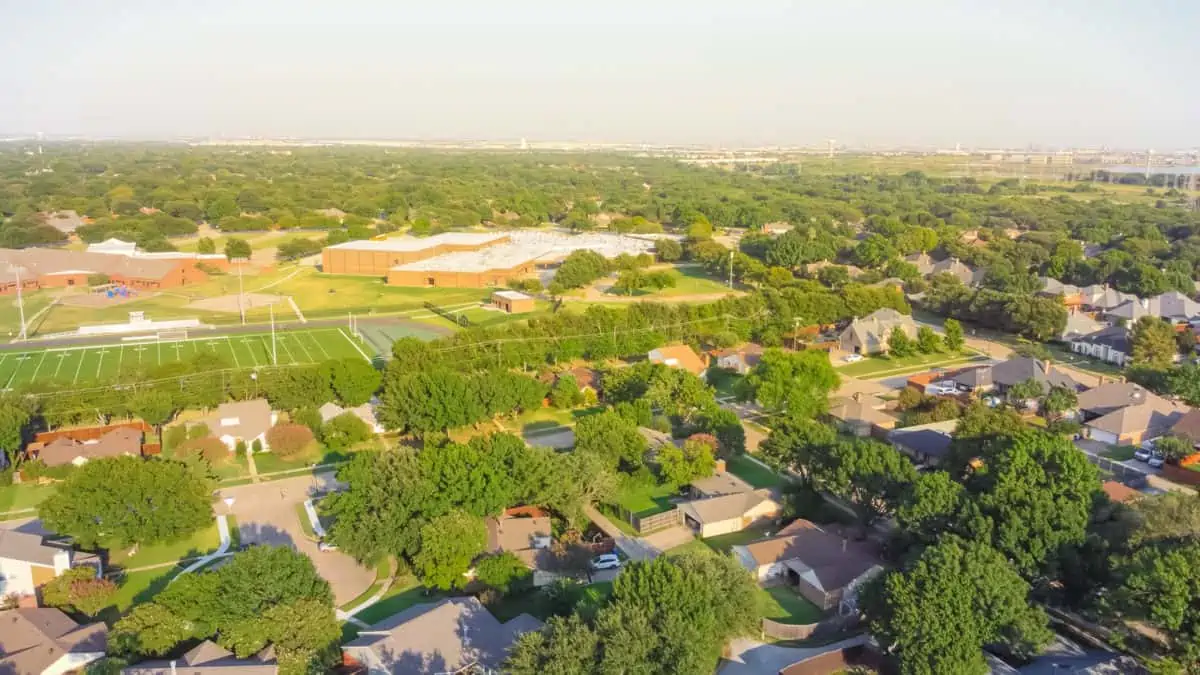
(274, 352)
(20, 302)
(241, 296)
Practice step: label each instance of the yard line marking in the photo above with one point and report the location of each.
(306, 352)
(62, 356)
(79, 367)
(158, 346)
(283, 343)
(354, 344)
(21, 360)
(319, 346)
(233, 351)
(268, 348)
(120, 360)
(246, 341)
(39, 367)
(100, 362)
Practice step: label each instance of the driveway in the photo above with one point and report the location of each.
(1096, 450)
(665, 540)
(266, 514)
(26, 525)
(751, 657)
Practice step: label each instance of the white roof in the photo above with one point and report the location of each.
(407, 243)
(529, 246)
(512, 295)
(113, 245)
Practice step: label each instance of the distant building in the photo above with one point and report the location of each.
(245, 421)
(679, 356)
(364, 412)
(208, 658)
(60, 268)
(739, 359)
(512, 302)
(926, 444)
(1111, 345)
(28, 561)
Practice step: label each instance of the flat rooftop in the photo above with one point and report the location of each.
(526, 247)
(407, 243)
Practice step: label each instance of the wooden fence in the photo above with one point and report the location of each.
(657, 521)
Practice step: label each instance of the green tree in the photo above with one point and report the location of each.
(502, 571)
(1059, 400)
(611, 438)
(206, 246)
(900, 345)
(236, 249)
(344, 431)
(128, 500)
(928, 342)
(1174, 448)
(797, 383)
(448, 545)
(668, 250)
(353, 380)
(565, 646)
(155, 406)
(148, 630)
(1153, 343)
(565, 393)
(78, 590)
(14, 422)
(872, 476)
(953, 335)
(1161, 586)
(1027, 390)
(937, 615)
(682, 465)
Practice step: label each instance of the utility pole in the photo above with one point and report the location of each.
(274, 351)
(731, 268)
(241, 294)
(20, 302)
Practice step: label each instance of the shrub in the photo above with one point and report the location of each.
(78, 590)
(240, 449)
(290, 440)
(309, 417)
(256, 446)
(210, 448)
(344, 431)
(501, 571)
(198, 431)
(175, 436)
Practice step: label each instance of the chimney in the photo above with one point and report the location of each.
(720, 466)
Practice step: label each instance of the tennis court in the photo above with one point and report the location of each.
(111, 363)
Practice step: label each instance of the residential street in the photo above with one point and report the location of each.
(266, 514)
(751, 657)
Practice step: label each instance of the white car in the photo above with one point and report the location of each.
(324, 546)
(852, 358)
(608, 561)
(1156, 460)
(941, 389)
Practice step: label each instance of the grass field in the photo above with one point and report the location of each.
(201, 542)
(877, 365)
(109, 363)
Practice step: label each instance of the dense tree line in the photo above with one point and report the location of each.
(1036, 317)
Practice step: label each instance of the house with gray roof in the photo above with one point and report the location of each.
(1080, 324)
(454, 635)
(1111, 345)
(1000, 377)
(1124, 413)
(870, 334)
(209, 658)
(928, 267)
(926, 444)
(1173, 307)
(27, 561)
(44, 641)
(727, 513)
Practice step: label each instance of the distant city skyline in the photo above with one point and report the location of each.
(928, 74)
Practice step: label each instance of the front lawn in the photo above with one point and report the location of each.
(136, 588)
(403, 594)
(383, 570)
(753, 473)
(202, 542)
(642, 499)
(24, 496)
(723, 543)
(874, 365)
(1120, 453)
(782, 604)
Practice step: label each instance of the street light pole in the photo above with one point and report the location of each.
(20, 302)
(241, 295)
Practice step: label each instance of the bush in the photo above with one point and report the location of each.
(309, 417)
(256, 446)
(36, 470)
(240, 449)
(78, 590)
(344, 431)
(502, 571)
(210, 448)
(290, 440)
(6, 477)
(198, 431)
(175, 436)
(661, 423)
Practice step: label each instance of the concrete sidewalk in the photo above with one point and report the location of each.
(632, 547)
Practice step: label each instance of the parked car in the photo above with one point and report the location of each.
(607, 561)
(852, 358)
(326, 546)
(1143, 454)
(1156, 459)
(941, 389)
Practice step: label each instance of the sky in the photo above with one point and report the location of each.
(1067, 73)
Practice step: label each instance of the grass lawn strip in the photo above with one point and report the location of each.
(782, 604)
(753, 473)
(23, 496)
(874, 365)
(383, 570)
(201, 543)
(404, 593)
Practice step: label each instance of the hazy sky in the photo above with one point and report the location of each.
(888, 72)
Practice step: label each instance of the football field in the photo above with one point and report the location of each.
(111, 363)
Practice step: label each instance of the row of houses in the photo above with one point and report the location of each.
(1172, 306)
(120, 262)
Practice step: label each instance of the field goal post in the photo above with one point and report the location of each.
(172, 335)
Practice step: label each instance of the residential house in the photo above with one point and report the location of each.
(739, 359)
(44, 641)
(1188, 427)
(1065, 657)
(209, 658)
(527, 538)
(364, 412)
(1111, 345)
(1079, 324)
(1000, 377)
(27, 561)
(825, 568)
(1120, 492)
(777, 227)
(869, 335)
(926, 444)
(927, 267)
(1102, 297)
(1124, 413)
(713, 516)
(1173, 307)
(679, 356)
(862, 416)
(66, 450)
(588, 379)
(719, 484)
(245, 421)
(454, 635)
(1072, 296)
(812, 269)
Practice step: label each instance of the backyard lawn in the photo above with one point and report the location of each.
(723, 543)
(782, 604)
(203, 541)
(646, 500)
(404, 593)
(135, 588)
(753, 473)
(877, 365)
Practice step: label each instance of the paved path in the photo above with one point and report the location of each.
(266, 514)
(223, 549)
(630, 546)
(751, 657)
(251, 466)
